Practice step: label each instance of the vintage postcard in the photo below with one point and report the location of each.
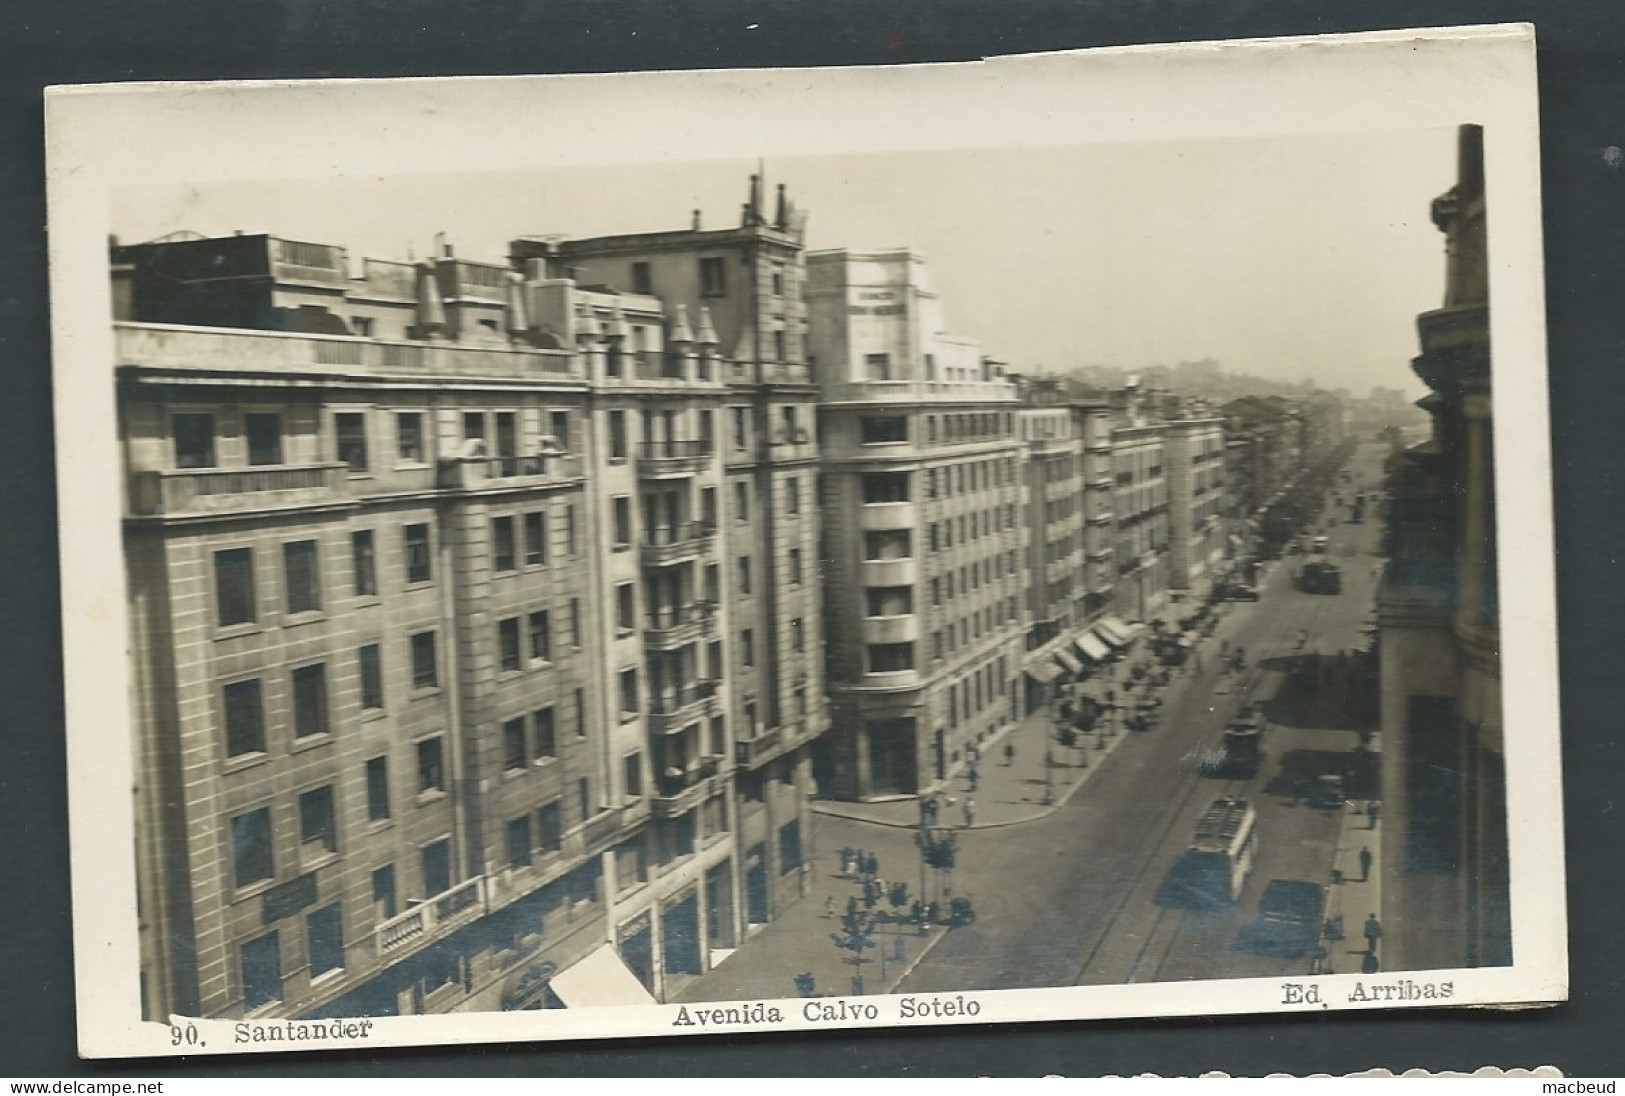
(1058, 537)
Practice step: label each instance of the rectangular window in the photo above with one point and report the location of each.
(504, 550)
(617, 435)
(194, 440)
(264, 438)
(310, 700)
(318, 823)
(418, 567)
(584, 798)
(324, 939)
(514, 755)
(877, 367)
(363, 563)
(713, 276)
(621, 506)
(262, 971)
(519, 842)
(581, 713)
(642, 281)
(409, 437)
(383, 892)
(792, 496)
(369, 662)
(549, 828)
(575, 622)
(473, 425)
(629, 692)
(245, 718)
(546, 737)
(747, 648)
(535, 538)
(741, 501)
(437, 867)
(885, 487)
(887, 658)
(234, 586)
(887, 544)
(377, 789)
(558, 422)
(741, 432)
(431, 766)
(541, 638)
(251, 847)
(626, 608)
(300, 571)
(886, 601)
(632, 765)
(797, 638)
(883, 429)
(795, 566)
(425, 664)
(508, 644)
(570, 530)
(350, 428)
(744, 574)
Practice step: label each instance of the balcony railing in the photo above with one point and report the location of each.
(670, 543)
(208, 490)
(433, 916)
(673, 709)
(674, 458)
(756, 749)
(464, 473)
(680, 792)
(668, 627)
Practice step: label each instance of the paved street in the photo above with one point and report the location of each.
(1069, 893)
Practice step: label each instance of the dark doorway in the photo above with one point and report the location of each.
(756, 909)
(680, 936)
(892, 769)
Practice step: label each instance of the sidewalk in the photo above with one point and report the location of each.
(1354, 894)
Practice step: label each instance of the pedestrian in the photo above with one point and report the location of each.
(971, 776)
(829, 907)
(1009, 754)
(1373, 933)
(1369, 963)
(1365, 862)
(1371, 812)
(970, 813)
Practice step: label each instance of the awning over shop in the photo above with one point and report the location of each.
(1043, 672)
(1092, 647)
(600, 980)
(1114, 631)
(1071, 664)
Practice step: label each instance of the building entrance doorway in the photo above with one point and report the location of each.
(680, 936)
(892, 768)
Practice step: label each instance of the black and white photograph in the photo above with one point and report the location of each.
(665, 554)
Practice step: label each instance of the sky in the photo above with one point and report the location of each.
(1289, 258)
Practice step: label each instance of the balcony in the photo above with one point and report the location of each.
(224, 490)
(1103, 517)
(751, 752)
(432, 917)
(600, 830)
(880, 516)
(891, 572)
(678, 793)
(665, 459)
(902, 628)
(668, 544)
(657, 365)
(175, 348)
(538, 469)
(674, 709)
(668, 628)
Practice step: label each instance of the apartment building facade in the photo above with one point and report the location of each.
(442, 697)
(1198, 536)
(924, 540)
(1141, 510)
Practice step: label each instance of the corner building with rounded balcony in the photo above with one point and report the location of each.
(923, 524)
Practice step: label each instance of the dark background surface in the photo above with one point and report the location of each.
(1582, 85)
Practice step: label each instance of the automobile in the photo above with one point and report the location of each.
(1328, 793)
(1239, 592)
(1289, 916)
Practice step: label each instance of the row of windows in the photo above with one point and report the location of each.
(972, 627)
(196, 436)
(243, 702)
(980, 475)
(971, 527)
(529, 638)
(972, 576)
(970, 696)
(237, 600)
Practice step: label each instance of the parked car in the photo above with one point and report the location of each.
(1328, 793)
(1237, 591)
(1289, 916)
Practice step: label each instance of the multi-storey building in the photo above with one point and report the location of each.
(1445, 875)
(1140, 504)
(459, 682)
(923, 537)
(1197, 535)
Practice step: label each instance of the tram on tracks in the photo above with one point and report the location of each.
(1222, 851)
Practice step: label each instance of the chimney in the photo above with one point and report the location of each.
(755, 200)
(781, 216)
(695, 225)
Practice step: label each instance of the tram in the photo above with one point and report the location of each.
(1222, 850)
